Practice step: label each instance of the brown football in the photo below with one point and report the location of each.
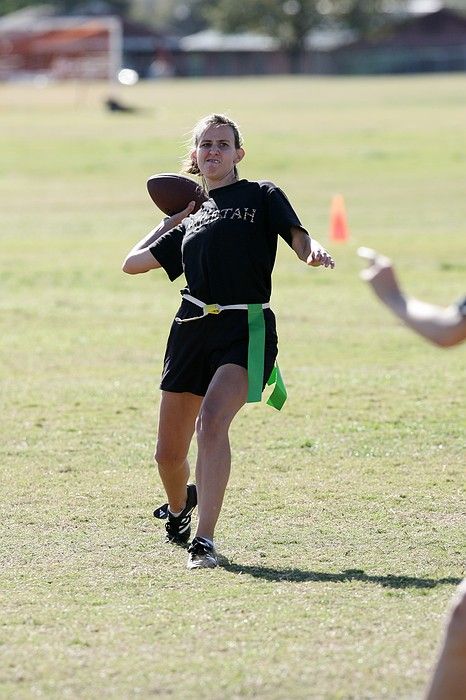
(172, 193)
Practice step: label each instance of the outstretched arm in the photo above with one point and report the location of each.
(139, 258)
(309, 250)
(443, 326)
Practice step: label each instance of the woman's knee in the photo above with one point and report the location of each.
(169, 455)
(211, 423)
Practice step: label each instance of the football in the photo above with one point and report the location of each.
(172, 193)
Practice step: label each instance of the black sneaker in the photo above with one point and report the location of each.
(201, 555)
(179, 528)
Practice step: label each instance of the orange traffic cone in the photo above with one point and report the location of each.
(339, 232)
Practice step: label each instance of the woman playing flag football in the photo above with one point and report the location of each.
(222, 346)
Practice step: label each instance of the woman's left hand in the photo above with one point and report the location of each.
(319, 256)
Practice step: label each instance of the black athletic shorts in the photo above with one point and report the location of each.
(196, 349)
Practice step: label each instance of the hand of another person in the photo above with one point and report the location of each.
(380, 274)
(443, 326)
(319, 256)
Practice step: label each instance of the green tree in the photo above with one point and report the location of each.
(64, 6)
(290, 21)
(7, 6)
(180, 17)
(361, 15)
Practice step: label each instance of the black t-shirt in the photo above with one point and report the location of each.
(227, 249)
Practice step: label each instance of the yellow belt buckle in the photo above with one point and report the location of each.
(212, 309)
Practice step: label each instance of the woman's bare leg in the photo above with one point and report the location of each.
(177, 418)
(227, 393)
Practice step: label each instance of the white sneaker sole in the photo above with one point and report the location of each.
(204, 563)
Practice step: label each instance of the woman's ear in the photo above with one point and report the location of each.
(193, 157)
(239, 155)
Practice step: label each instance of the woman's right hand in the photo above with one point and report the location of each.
(176, 219)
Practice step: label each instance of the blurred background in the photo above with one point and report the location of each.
(131, 40)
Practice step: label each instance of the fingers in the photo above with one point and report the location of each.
(377, 263)
(325, 259)
(188, 209)
(176, 219)
(367, 253)
(370, 255)
(379, 273)
(373, 257)
(320, 258)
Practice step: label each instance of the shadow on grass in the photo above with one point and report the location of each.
(299, 576)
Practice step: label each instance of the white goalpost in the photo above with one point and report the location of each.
(61, 48)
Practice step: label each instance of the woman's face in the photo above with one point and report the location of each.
(216, 155)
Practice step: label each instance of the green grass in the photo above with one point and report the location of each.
(343, 526)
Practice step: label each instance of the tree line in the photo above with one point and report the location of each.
(290, 21)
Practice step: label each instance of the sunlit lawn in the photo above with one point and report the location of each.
(343, 526)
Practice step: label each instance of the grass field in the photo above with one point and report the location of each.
(343, 526)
